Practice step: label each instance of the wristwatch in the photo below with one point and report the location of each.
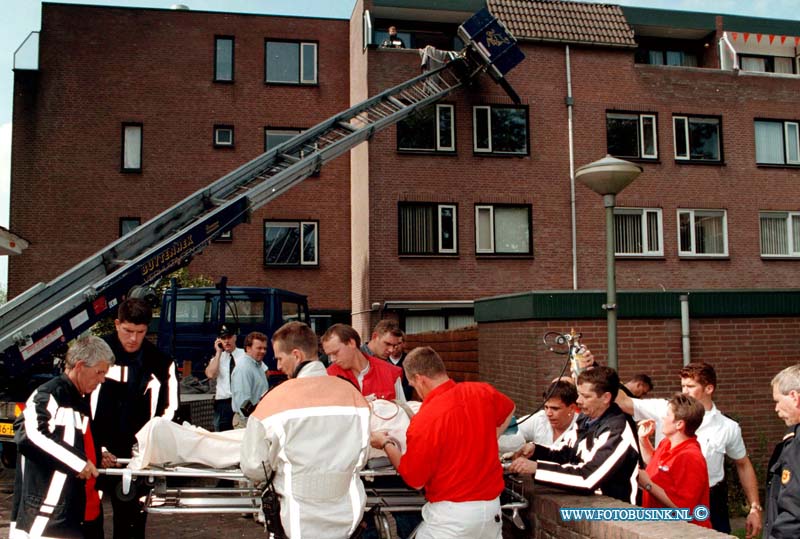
(648, 487)
(755, 506)
(387, 442)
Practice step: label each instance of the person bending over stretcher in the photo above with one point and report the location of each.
(320, 492)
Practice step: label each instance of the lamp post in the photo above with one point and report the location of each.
(607, 177)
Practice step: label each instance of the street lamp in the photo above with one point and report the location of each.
(607, 177)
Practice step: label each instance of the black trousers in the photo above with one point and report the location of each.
(129, 518)
(718, 498)
(223, 415)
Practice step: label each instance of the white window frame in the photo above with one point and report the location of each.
(488, 111)
(300, 224)
(492, 250)
(490, 148)
(643, 212)
(688, 155)
(217, 40)
(478, 209)
(217, 130)
(693, 252)
(452, 147)
(788, 218)
(796, 126)
(300, 62)
(787, 126)
(132, 133)
(640, 117)
(439, 209)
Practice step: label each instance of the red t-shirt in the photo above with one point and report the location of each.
(378, 381)
(682, 473)
(452, 443)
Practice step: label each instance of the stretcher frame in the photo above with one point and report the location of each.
(162, 498)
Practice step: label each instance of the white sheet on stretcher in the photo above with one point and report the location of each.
(163, 442)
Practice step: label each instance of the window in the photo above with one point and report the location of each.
(702, 232)
(291, 62)
(291, 243)
(767, 64)
(223, 136)
(127, 224)
(502, 229)
(500, 130)
(131, 147)
(780, 234)
(638, 231)
(777, 143)
(667, 57)
(276, 137)
(430, 129)
(427, 229)
(631, 135)
(223, 59)
(697, 139)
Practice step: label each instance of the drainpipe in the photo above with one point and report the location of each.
(570, 103)
(687, 356)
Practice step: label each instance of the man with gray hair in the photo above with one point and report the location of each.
(54, 494)
(783, 485)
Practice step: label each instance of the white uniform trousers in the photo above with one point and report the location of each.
(461, 520)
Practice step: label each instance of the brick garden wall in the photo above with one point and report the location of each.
(457, 347)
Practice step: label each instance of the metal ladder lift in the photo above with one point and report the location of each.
(48, 315)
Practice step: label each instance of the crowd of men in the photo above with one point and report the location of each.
(308, 438)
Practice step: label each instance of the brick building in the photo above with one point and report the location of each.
(130, 110)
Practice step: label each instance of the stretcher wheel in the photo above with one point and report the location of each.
(132, 494)
(386, 525)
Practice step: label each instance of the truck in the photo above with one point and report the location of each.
(37, 324)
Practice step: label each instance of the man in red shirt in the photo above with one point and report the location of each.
(452, 451)
(676, 475)
(372, 376)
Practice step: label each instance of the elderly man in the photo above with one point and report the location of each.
(452, 451)
(249, 383)
(295, 347)
(387, 343)
(783, 484)
(320, 492)
(601, 452)
(718, 435)
(374, 377)
(56, 463)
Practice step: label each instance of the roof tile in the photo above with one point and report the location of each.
(560, 20)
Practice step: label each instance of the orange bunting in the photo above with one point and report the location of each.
(758, 38)
(746, 36)
(771, 39)
(783, 40)
(735, 35)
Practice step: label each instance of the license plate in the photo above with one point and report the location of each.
(6, 429)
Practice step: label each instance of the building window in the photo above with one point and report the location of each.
(638, 232)
(502, 229)
(291, 62)
(223, 136)
(767, 64)
(127, 224)
(631, 135)
(777, 142)
(223, 59)
(697, 139)
(780, 234)
(131, 147)
(276, 137)
(500, 130)
(291, 243)
(427, 229)
(702, 232)
(665, 57)
(431, 129)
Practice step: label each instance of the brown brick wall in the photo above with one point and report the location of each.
(458, 349)
(100, 67)
(745, 352)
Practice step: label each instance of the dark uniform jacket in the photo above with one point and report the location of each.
(783, 489)
(138, 387)
(601, 454)
(49, 499)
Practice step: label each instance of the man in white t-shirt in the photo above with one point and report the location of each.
(548, 425)
(220, 368)
(719, 436)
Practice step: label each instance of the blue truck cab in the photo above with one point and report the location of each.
(190, 319)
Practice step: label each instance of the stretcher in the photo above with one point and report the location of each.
(194, 489)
